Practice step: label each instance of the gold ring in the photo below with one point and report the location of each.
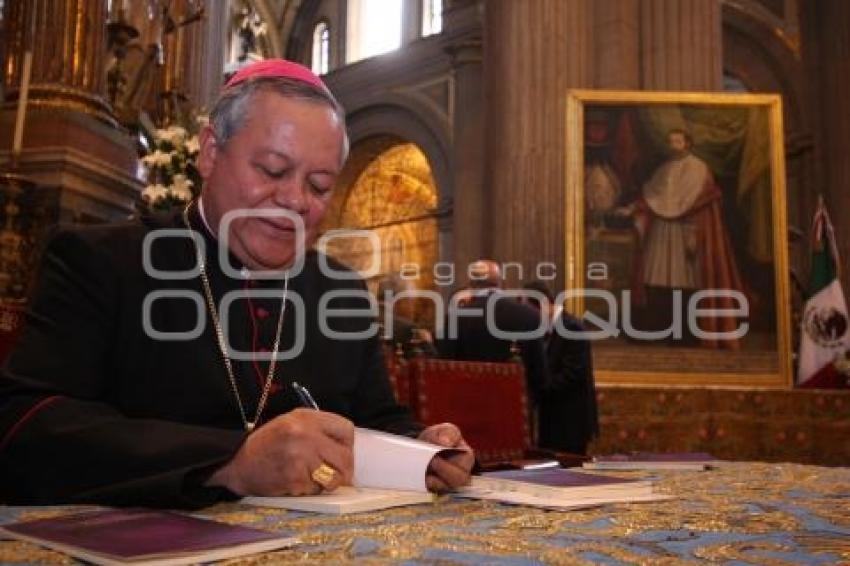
(323, 475)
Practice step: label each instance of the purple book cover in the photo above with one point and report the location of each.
(555, 477)
(135, 533)
(684, 457)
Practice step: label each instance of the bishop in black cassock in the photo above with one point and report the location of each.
(93, 409)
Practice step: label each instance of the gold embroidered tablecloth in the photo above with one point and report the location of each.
(741, 513)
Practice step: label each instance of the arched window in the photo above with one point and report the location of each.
(432, 17)
(321, 48)
(373, 27)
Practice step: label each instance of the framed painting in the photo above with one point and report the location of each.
(676, 237)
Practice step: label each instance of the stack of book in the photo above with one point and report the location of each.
(559, 488)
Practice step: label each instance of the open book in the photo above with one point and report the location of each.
(653, 461)
(145, 538)
(389, 471)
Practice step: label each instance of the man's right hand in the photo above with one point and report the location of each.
(279, 457)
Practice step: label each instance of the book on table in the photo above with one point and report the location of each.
(559, 488)
(561, 482)
(389, 471)
(653, 461)
(345, 499)
(143, 537)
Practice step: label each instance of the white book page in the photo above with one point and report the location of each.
(389, 461)
(685, 466)
(565, 502)
(344, 499)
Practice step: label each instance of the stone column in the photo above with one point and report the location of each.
(535, 51)
(616, 44)
(826, 55)
(213, 41)
(71, 140)
(468, 150)
(680, 45)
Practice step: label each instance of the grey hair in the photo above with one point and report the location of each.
(230, 109)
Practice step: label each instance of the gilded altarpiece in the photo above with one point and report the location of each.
(394, 198)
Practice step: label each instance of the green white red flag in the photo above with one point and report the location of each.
(825, 332)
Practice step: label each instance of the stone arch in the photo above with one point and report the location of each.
(756, 54)
(759, 51)
(408, 121)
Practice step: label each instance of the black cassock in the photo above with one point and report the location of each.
(567, 413)
(94, 408)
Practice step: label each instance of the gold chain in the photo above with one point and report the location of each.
(222, 345)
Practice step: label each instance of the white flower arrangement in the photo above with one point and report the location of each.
(172, 175)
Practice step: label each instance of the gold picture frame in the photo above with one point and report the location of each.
(613, 140)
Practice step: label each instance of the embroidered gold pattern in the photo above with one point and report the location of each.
(763, 509)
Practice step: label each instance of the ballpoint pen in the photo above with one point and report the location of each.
(303, 394)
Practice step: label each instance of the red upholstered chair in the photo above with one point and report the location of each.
(398, 371)
(11, 321)
(486, 400)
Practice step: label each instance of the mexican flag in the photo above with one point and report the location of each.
(825, 332)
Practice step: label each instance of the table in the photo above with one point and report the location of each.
(741, 513)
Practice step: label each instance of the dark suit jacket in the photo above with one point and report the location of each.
(475, 342)
(567, 413)
(403, 333)
(93, 409)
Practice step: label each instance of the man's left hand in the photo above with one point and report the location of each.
(446, 473)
